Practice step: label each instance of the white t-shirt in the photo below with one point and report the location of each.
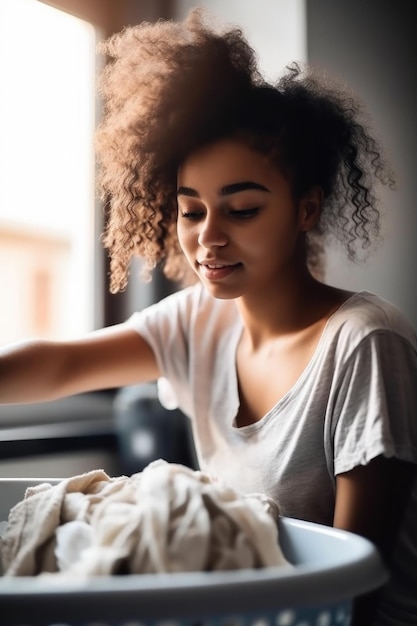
(355, 400)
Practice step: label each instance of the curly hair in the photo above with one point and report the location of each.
(171, 87)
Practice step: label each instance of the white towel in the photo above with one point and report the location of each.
(167, 518)
(27, 546)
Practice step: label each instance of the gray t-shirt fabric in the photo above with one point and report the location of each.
(355, 400)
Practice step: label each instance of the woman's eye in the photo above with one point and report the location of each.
(244, 213)
(191, 215)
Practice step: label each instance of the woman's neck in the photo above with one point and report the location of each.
(288, 309)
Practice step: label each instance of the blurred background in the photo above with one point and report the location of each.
(53, 272)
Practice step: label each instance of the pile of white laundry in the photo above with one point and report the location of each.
(167, 518)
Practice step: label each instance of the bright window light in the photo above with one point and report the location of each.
(47, 117)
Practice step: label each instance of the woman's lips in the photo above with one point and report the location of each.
(217, 271)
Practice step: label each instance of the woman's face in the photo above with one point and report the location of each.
(238, 223)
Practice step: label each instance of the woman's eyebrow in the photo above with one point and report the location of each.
(227, 190)
(187, 191)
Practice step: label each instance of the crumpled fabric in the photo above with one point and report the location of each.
(167, 518)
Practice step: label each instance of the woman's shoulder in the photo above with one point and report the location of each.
(364, 313)
(186, 304)
(196, 298)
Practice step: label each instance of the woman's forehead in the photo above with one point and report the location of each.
(225, 158)
(227, 167)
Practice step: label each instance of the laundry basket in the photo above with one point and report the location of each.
(332, 567)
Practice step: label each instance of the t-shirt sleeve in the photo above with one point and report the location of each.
(375, 402)
(164, 325)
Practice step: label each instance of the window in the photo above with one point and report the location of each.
(47, 195)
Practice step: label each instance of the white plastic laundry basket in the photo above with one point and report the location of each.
(332, 567)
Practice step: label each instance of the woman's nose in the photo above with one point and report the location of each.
(212, 234)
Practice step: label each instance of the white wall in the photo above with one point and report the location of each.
(275, 28)
(372, 45)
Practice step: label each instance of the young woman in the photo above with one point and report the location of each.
(295, 388)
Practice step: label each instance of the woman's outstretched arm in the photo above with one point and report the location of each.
(40, 370)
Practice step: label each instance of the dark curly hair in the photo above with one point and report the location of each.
(171, 87)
